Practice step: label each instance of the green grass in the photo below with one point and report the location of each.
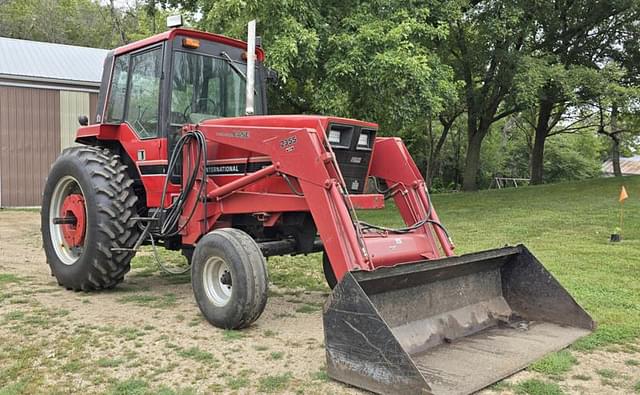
(155, 301)
(275, 383)
(298, 272)
(197, 355)
(72, 366)
(8, 278)
(129, 333)
(636, 387)
(144, 265)
(320, 375)
(555, 365)
(21, 209)
(566, 226)
(230, 334)
(537, 387)
(276, 355)
(130, 387)
(607, 373)
(269, 333)
(19, 371)
(632, 362)
(240, 381)
(308, 308)
(109, 362)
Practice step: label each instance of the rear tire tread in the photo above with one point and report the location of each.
(116, 206)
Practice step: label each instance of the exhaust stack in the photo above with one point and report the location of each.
(251, 61)
(447, 326)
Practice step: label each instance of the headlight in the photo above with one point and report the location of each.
(340, 136)
(334, 136)
(363, 140)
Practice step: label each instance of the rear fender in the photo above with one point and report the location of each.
(98, 131)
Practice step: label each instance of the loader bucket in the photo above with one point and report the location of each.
(447, 326)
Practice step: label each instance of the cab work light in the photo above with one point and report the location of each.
(190, 43)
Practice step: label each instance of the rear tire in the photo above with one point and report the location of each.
(99, 178)
(229, 278)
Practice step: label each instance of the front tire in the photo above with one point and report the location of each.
(329, 275)
(88, 187)
(229, 278)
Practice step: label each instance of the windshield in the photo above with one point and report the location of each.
(205, 87)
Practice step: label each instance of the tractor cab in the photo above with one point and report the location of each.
(181, 76)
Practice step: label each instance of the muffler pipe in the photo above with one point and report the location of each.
(251, 68)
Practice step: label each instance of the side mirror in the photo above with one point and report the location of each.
(83, 120)
(273, 77)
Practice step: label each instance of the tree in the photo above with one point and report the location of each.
(487, 47)
(79, 22)
(571, 36)
(615, 99)
(369, 60)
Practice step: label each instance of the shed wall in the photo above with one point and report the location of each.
(29, 143)
(72, 105)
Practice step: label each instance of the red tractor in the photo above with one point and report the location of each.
(181, 154)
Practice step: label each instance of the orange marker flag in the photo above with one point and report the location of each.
(623, 195)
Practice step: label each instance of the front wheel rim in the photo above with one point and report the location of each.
(217, 281)
(66, 253)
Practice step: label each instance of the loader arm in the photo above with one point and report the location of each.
(303, 155)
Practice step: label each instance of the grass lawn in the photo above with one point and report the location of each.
(146, 336)
(567, 226)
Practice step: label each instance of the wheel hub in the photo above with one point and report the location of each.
(225, 279)
(73, 220)
(217, 281)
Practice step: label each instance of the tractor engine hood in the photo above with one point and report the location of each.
(293, 121)
(351, 141)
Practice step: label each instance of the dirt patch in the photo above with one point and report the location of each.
(148, 331)
(613, 371)
(148, 334)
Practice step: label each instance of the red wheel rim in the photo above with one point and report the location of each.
(73, 207)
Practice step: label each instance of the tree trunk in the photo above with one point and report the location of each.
(434, 154)
(472, 162)
(541, 133)
(615, 156)
(615, 142)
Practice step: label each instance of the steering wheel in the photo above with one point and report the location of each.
(142, 132)
(188, 117)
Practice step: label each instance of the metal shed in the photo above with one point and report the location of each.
(629, 166)
(44, 87)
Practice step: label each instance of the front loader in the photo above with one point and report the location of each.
(181, 154)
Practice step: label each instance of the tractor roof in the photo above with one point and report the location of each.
(171, 34)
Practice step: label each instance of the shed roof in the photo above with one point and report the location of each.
(629, 166)
(23, 59)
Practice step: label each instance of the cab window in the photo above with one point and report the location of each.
(144, 93)
(118, 90)
(207, 87)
